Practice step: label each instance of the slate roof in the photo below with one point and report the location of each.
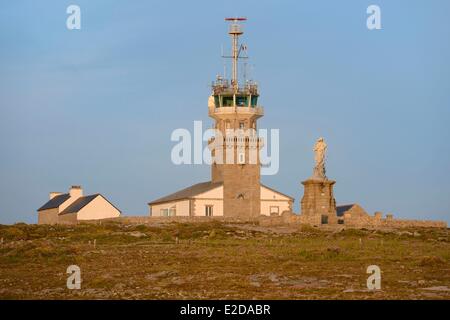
(55, 202)
(79, 204)
(340, 210)
(188, 192)
(197, 189)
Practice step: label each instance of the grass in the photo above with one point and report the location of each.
(214, 260)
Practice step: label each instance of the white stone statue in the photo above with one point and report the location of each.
(320, 149)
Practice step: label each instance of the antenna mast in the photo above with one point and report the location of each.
(235, 31)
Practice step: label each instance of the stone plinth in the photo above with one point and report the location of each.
(318, 205)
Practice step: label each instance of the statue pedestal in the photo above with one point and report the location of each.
(318, 205)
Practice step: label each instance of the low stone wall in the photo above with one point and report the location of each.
(394, 223)
(351, 221)
(180, 219)
(286, 218)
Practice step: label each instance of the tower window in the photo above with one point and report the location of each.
(254, 101)
(241, 158)
(227, 101)
(241, 101)
(216, 101)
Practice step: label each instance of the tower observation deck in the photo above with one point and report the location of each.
(229, 96)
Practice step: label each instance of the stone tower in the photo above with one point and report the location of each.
(235, 110)
(318, 205)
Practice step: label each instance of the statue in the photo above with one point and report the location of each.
(320, 149)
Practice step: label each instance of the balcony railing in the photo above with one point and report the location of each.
(229, 110)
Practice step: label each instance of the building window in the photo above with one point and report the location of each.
(324, 219)
(242, 125)
(274, 211)
(209, 210)
(169, 212)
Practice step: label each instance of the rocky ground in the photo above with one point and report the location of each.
(217, 260)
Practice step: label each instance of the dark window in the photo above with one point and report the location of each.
(324, 219)
(209, 211)
(227, 101)
(216, 101)
(254, 101)
(241, 101)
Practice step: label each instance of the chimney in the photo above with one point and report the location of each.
(76, 192)
(54, 194)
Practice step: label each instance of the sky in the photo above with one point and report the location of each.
(96, 107)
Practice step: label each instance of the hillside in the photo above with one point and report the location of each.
(216, 260)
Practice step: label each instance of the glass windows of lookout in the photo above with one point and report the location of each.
(241, 101)
(227, 101)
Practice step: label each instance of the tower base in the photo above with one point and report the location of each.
(318, 206)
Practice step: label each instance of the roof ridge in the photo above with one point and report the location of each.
(80, 203)
(188, 192)
(55, 202)
(276, 191)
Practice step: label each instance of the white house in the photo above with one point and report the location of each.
(206, 199)
(73, 206)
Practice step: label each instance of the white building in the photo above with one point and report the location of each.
(73, 206)
(206, 199)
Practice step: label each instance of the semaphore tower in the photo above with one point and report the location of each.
(234, 107)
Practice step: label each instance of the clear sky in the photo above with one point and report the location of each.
(96, 107)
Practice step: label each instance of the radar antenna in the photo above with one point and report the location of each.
(235, 30)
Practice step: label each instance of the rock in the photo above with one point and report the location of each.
(404, 233)
(431, 261)
(137, 234)
(160, 274)
(273, 277)
(335, 250)
(438, 288)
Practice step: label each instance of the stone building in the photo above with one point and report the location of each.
(235, 189)
(71, 207)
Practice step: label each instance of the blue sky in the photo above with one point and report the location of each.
(96, 107)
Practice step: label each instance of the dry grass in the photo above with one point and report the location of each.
(221, 261)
